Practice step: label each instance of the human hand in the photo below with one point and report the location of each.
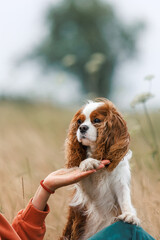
(64, 177)
(60, 178)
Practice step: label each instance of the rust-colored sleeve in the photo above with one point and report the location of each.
(30, 222)
(6, 230)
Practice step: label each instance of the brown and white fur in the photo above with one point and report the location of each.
(98, 131)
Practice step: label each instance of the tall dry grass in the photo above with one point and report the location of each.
(31, 146)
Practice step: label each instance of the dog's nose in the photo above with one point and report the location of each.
(83, 128)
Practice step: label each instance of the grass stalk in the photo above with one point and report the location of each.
(23, 192)
(153, 134)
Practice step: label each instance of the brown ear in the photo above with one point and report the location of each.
(113, 139)
(75, 152)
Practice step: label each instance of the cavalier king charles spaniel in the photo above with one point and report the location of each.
(97, 132)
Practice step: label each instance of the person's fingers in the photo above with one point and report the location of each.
(105, 162)
(100, 166)
(78, 175)
(86, 173)
(77, 170)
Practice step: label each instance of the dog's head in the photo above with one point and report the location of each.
(100, 126)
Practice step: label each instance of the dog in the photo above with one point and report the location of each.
(97, 132)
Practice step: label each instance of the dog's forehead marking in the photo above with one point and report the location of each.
(90, 107)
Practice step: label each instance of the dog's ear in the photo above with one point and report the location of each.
(75, 152)
(113, 139)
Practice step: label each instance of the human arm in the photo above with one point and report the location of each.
(29, 223)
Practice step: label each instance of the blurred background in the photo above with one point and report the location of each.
(56, 54)
(52, 48)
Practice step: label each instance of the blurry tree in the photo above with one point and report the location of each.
(87, 38)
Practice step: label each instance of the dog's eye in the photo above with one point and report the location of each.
(79, 121)
(96, 120)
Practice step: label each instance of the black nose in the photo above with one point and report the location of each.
(83, 128)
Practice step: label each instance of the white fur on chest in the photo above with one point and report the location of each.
(97, 194)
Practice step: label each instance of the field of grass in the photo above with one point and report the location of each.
(32, 145)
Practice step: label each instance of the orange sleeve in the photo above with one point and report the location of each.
(30, 222)
(6, 230)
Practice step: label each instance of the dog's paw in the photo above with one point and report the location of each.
(89, 164)
(129, 218)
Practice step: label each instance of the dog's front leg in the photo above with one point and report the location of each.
(122, 192)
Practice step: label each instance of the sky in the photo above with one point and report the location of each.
(131, 75)
(22, 27)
